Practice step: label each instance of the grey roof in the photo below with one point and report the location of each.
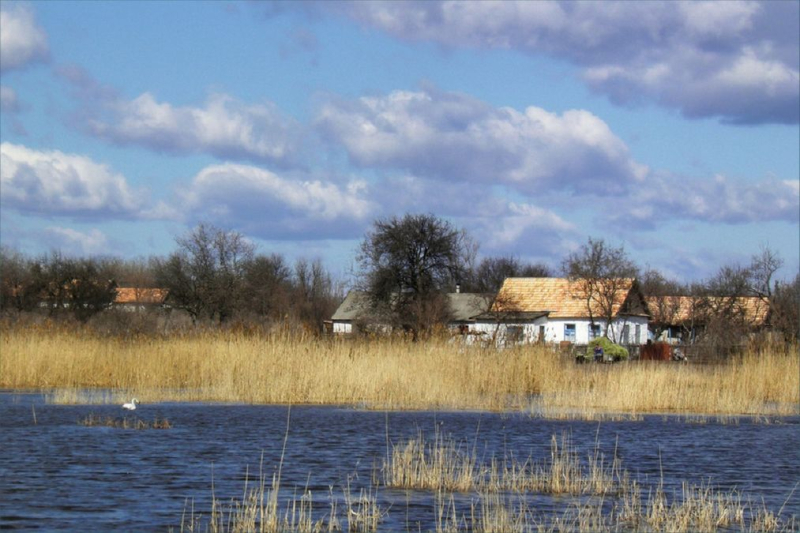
(354, 306)
(463, 306)
(466, 305)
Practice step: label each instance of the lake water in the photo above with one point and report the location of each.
(56, 474)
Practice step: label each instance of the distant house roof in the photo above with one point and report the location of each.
(354, 307)
(561, 298)
(463, 306)
(140, 296)
(675, 310)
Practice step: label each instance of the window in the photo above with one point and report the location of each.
(626, 333)
(514, 333)
(594, 331)
(569, 332)
(637, 339)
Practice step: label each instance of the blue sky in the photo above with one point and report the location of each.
(670, 128)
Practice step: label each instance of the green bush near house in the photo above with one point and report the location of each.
(610, 350)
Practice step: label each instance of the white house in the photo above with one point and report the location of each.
(555, 310)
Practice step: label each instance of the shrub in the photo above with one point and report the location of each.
(610, 349)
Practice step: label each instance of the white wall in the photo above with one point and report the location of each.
(342, 327)
(555, 329)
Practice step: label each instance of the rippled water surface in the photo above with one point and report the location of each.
(58, 474)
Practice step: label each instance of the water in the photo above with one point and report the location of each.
(58, 475)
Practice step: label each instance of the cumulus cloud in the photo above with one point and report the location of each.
(22, 41)
(452, 136)
(733, 60)
(74, 242)
(266, 205)
(55, 183)
(716, 200)
(223, 127)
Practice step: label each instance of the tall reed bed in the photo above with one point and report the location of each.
(284, 368)
(765, 382)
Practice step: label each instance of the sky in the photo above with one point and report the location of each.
(668, 128)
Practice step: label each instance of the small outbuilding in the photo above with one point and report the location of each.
(355, 311)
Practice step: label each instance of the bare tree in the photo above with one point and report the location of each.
(785, 309)
(315, 298)
(205, 276)
(763, 267)
(19, 290)
(600, 275)
(664, 300)
(267, 287)
(490, 273)
(406, 262)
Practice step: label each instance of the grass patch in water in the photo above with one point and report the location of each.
(594, 497)
(93, 420)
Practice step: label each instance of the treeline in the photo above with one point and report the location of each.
(214, 277)
(405, 264)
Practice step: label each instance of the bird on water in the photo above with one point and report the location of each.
(132, 405)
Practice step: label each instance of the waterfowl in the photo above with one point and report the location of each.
(132, 405)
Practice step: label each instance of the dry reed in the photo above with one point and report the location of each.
(445, 465)
(385, 373)
(93, 420)
(594, 498)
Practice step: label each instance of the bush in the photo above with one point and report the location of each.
(610, 350)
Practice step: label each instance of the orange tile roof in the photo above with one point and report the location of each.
(559, 296)
(135, 295)
(677, 309)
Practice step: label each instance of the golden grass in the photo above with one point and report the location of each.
(78, 366)
(445, 465)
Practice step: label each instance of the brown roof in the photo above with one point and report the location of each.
(136, 295)
(679, 309)
(560, 297)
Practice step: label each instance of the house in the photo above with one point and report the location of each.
(139, 298)
(464, 307)
(556, 310)
(355, 311)
(676, 319)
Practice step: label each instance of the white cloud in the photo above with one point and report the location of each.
(56, 183)
(224, 127)
(22, 41)
(716, 200)
(733, 60)
(74, 242)
(270, 206)
(8, 99)
(452, 136)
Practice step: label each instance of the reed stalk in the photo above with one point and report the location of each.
(78, 366)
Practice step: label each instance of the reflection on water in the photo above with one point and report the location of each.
(57, 474)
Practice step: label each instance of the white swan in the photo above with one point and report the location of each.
(131, 406)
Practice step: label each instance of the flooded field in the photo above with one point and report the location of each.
(56, 473)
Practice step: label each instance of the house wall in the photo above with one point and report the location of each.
(342, 327)
(555, 329)
(522, 332)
